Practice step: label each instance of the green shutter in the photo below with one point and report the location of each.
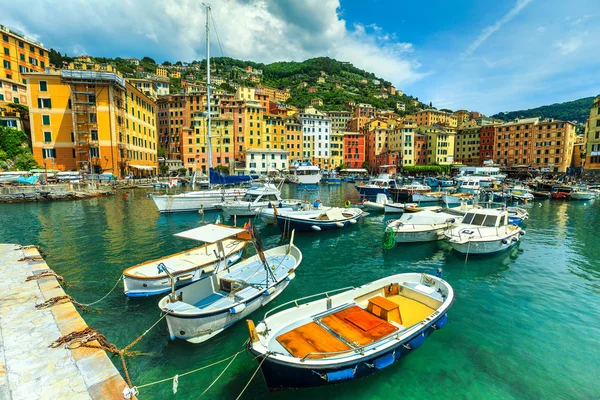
(45, 120)
(47, 136)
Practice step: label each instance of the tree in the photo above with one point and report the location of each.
(167, 63)
(14, 152)
(430, 104)
(179, 63)
(148, 60)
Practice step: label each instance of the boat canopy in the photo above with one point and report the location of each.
(220, 179)
(210, 233)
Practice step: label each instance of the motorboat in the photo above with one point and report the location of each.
(424, 226)
(269, 214)
(457, 198)
(487, 176)
(540, 194)
(203, 309)
(519, 193)
(309, 221)
(303, 172)
(427, 197)
(378, 205)
(438, 182)
(255, 199)
(406, 192)
(469, 185)
(186, 267)
(331, 178)
(398, 208)
(382, 184)
(484, 231)
(561, 192)
(446, 182)
(582, 193)
(349, 335)
(516, 215)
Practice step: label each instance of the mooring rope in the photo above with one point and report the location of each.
(220, 375)
(106, 295)
(252, 377)
(59, 300)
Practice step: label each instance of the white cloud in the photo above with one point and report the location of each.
(541, 29)
(259, 30)
(569, 45)
(488, 31)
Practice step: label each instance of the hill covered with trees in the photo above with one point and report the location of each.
(576, 110)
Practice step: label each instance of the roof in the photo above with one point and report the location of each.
(210, 233)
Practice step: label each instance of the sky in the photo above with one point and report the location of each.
(488, 56)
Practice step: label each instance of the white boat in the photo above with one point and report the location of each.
(488, 176)
(186, 267)
(424, 226)
(268, 216)
(198, 200)
(382, 184)
(304, 173)
(201, 310)
(582, 193)
(332, 219)
(351, 334)
(398, 208)
(520, 193)
(378, 205)
(458, 198)
(427, 197)
(255, 199)
(484, 231)
(469, 184)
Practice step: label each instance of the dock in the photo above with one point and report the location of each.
(29, 369)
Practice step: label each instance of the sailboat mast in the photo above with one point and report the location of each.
(209, 122)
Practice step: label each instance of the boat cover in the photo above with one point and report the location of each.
(220, 179)
(210, 233)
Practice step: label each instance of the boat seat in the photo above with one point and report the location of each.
(357, 325)
(181, 307)
(311, 338)
(411, 311)
(246, 293)
(384, 309)
(214, 301)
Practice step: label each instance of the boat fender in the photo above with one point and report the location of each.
(522, 233)
(316, 228)
(270, 205)
(267, 293)
(451, 220)
(504, 241)
(439, 273)
(290, 277)
(237, 308)
(341, 375)
(347, 204)
(441, 322)
(515, 239)
(415, 342)
(317, 203)
(352, 221)
(280, 205)
(384, 361)
(339, 224)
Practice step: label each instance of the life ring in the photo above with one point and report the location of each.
(347, 204)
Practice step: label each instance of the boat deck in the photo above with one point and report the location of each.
(351, 327)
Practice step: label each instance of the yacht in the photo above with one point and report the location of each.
(303, 172)
(255, 199)
(382, 184)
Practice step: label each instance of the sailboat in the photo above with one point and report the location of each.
(204, 199)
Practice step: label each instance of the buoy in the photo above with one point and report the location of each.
(348, 204)
(316, 228)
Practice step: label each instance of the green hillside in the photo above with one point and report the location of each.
(576, 110)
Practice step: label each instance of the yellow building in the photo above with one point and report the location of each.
(12, 91)
(336, 147)
(592, 153)
(274, 133)
(175, 74)
(578, 151)
(195, 143)
(162, 71)
(316, 102)
(293, 138)
(440, 144)
(431, 117)
(401, 139)
(466, 148)
(20, 55)
(245, 93)
(146, 86)
(91, 121)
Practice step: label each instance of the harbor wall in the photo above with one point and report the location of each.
(63, 191)
(29, 369)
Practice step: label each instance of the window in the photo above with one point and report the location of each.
(94, 152)
(45, 120)
(44, 103)
(6, 51)
(5, 38)
(48, 153)
(47, 137)
(94, 134)
(6, 64)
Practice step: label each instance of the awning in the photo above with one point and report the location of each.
(210, 233)
(146, 167)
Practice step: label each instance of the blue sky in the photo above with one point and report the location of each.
(488, 56)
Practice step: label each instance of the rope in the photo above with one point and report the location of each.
(47, 274)
(190, 372)
(111, 290)
(468, 249)
(59, 300)
(218, 377)
(252, 377)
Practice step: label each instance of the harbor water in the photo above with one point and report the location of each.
(524, 324)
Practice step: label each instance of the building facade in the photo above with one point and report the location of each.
(592, 152)
(265, 161)
(354, 149)
(316, 131)
(466, 146)
(12, 91)
(434, 117)
(20, 55)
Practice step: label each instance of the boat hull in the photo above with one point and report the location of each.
(183, 203)
(198, 329)
(134, 287)
(280, 375)
(431, 235)
(367, 191)
(486, 247)
(581, 196)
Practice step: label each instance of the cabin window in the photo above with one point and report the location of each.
(478, 219)
(270, 197)
(468, 218)
(490, 220)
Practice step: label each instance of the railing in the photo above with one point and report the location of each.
(295, 302)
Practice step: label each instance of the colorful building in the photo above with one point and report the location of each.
(337, 149)
(440, 144)
(466, 146)
(294, 139)
(162, 71)
(535, 143)
(266, 161)
(432, 117)
(92, 121)
(339, 119)
(364, 110)
(12, 91)
(20, 55)
(316, 131)
(354, 149)
(420, 148)
(195, 142)
(274, 133)
(592, 152)
(487, 134)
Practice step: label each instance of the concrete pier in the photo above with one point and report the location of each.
(29, 369)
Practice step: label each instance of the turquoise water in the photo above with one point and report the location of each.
(524, 324)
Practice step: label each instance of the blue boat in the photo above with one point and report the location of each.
(331, 178)
(348, 335)
(316, 221)
(382, 184)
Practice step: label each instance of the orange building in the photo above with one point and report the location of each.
(354, 149)
(486, 143)
(431, 117)
(293, 138)
(20, 55)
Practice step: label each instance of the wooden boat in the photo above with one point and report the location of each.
(540, 194)
(351, 334)
(199, 311)
(378, 205)
(457, 198)
(398, 208)
(414, 208)
(186, 267)
(484, 231)
(269, 214)
(332, 219)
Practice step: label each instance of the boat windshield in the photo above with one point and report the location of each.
(478, 219)
(468, 218)
(269, 197)
(490, 220)
(250, 197)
